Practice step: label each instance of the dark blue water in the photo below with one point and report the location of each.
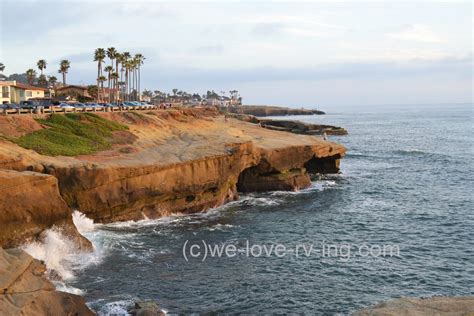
(407, 180)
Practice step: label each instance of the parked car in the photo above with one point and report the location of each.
(127, 103)
(9, 106)
(66, 106)
(33, 104)
(93, 105)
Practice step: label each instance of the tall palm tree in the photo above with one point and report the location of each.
(112, 55)
(31, 75)
(123, 71)
(63, 69)
(41, 65)
(114, 76)
(100, 81)
(109, 70)
(2, 67)
(140, 59)
(99, 56)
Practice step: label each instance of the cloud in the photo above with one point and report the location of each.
(416, 33)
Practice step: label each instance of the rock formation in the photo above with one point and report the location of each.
(181, 161)
(295, 127)
(266, 110)
(26, 291)
(30, 203)
(435, 306)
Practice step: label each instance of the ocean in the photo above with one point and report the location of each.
(397, 221)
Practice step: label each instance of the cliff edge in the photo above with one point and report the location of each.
(177, 161)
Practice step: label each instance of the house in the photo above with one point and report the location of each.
(72, 92)
(15, 92)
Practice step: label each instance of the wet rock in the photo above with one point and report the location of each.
(146, 308)
(26, 290)
(435, 306)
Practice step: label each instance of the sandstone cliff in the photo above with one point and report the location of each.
(26, 291)
(181, 161)
(30, 203)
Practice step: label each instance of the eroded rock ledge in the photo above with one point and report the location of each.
(181, 161)
(26, 291)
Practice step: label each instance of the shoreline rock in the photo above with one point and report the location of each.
(27, 291)
(267, 110)
(292, 126)
(408, 306)
(31, 204)
(183, 161)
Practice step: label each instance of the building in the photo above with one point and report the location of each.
(15, 92)
(72, 92)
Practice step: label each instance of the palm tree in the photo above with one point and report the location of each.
(114, 76)
(112, 55)
(63, 69)
(99, 56)
(31, 76)
(100, 81)
(2, 67)
(140, 59)
(52, 80)
(42, 81)
(124, 60)
(109, 70)
(41, 65)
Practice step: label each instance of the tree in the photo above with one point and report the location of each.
(64, 68)
(109, 70)
(101, 80)
(175, 91)
(124, 71)
(114, 76)
(99, 56)
(147, 93)
(31, 75)
(41, 65)
(112, 54)
(42, 81)
(2, 67)
(139, 62)
(52, 81)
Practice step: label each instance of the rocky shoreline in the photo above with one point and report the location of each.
(180, 161)
(268, 110)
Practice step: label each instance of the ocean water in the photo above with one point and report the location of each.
(406, 184)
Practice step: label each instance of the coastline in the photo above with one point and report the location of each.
(181, 161)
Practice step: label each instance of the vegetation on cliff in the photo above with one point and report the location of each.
(71, 134)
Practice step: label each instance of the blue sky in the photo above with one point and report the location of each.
(319, 53)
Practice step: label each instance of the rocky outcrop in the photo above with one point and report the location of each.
(146, 308)
(26, 291)
(295, 127)
(435, 306)
(30, 203)
(298, 127)
(266, 110)
(181, 161)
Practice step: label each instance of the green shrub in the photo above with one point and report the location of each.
(71, 135)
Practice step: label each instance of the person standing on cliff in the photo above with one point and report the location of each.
(325, 136)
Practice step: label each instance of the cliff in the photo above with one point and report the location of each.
(267, 110)
(452, 306)
(179, 161)
(30, 203)
(26, 291)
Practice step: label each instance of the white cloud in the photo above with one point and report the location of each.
(416, 33)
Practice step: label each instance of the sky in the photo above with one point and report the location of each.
(314, 53)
